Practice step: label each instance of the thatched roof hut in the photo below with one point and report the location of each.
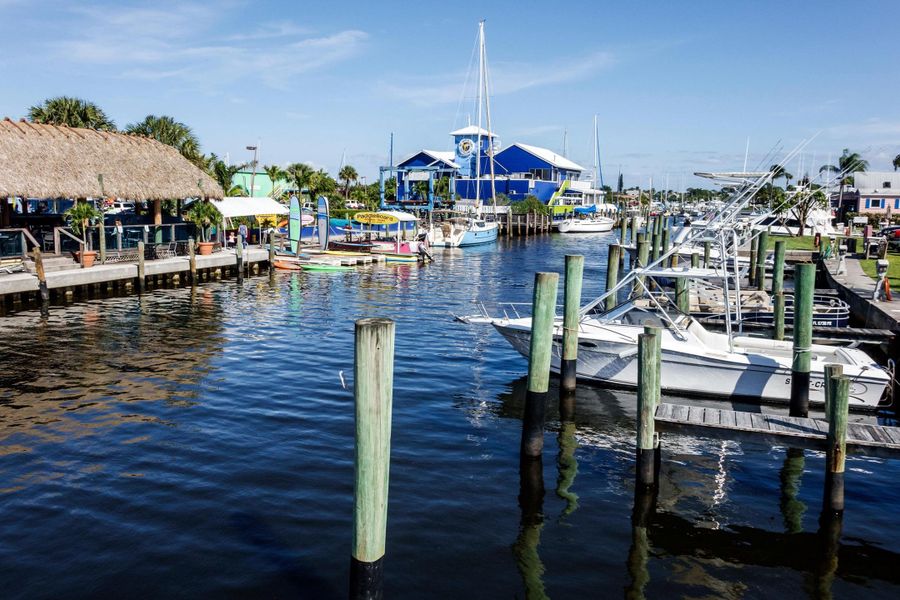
(51, 161)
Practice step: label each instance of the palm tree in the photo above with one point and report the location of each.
(848, 163)
(896, 162)
(347, 174)
(275, 173)
(320, 183)
(74, 112)
(300, 174)
(170, 132)
(224, 174)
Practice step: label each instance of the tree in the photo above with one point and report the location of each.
(619, 184)
(171, 133)
(347, 174)
(896, 162)
(74, 112)
(224, 174)
(779, 171)
(848, 163)
(320, 183)
(299, 174)
(805, 201)
(275, 173)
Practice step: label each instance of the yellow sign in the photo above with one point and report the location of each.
(266, 220)
(373, 218)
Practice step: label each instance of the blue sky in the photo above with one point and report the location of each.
(678, 86)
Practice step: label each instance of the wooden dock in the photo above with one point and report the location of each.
(863, 438)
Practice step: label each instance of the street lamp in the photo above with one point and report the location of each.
(253, 173)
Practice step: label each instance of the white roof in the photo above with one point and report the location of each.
(437, 155)
(249, 207)
(472, 130)
(401, 216)
(558, 161)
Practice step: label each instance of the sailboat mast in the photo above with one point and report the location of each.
(478, 119)
(487, 104)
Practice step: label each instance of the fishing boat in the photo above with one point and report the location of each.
(696, 361)
(589, 224)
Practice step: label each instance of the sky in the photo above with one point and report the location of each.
(677, 87)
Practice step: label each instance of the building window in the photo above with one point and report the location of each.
(876, 203)
(886, 184)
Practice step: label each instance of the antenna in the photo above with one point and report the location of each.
(746, 154)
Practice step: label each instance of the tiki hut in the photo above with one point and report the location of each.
(51, 161)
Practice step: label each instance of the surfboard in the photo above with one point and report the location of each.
(322, 224)
(294, 224)
(325, 268)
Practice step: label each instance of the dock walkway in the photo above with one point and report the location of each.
(862, 438)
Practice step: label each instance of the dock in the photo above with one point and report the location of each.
(801, 432)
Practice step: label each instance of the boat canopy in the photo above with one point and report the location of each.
(403, 217)
(585, 210)
(249, 207)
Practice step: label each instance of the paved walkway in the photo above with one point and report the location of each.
(856, 281)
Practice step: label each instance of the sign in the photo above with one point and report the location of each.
(373, 218)
(860, 220)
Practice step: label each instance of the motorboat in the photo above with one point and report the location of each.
(696, 361)
(593, 224)
(460, 232)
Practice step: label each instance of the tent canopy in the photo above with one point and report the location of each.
(249, 207)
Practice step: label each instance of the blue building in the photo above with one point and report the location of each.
(520, 170)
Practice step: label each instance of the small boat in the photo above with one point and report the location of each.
(350, 246)
(321, 267)
(586, 225)
(286, 265)
(400, 257)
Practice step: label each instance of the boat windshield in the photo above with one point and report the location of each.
(640, 312)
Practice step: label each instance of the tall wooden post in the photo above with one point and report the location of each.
(683, 295)
(271, 252)
(804, 286)
(778, 267)
(761, 261)
(706, 247)
(192, 260)
(142, 272)
(665, 240)
(539, 355)
(634, 229)
(643, 255)
(695, 259)
(623, 235)
(612, 273)
(837, 445)
(779, 316)
(754, 252)
(42, 281)
(239, 258)
(373, 383)
(649, 362)
(656, 248)
(572, 302)
(832, 372)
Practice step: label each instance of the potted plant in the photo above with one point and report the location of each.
(204, 214)
(79, 217)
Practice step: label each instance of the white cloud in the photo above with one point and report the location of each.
(505, 78)
(183, 42)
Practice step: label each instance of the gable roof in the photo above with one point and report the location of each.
(437, 155)
(51, 161)
(473, 130)
(558, 161)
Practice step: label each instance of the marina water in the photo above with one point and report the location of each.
(199, 444)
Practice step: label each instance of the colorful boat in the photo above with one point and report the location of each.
(320, 267)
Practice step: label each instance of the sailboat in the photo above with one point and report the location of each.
(472, 229)
(584, 218)
(696, 361)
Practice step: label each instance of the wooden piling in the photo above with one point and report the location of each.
(761, 261)
(101, 230)
(665, 240)
(778, 267)
(754, 249)
(695, 259)
(543, 313)
(623, 236)
(634, 229)
(804, 286)
(572, 302)
(44, 292)
(654, 256)
(649, 360)
(142, 282)
(683, 295)
(643, 255)
(373, 381)
(612, 273)
(832, 371)
(239, 259)
(837, 445)
(271, 252)
(706, 247)
(778, 333)
(192, 260)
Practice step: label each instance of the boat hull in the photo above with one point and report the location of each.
(692, 374)
(585, 225)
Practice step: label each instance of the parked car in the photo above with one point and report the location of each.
(120, 207)
(892, 234)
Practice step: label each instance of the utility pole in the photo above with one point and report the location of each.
(255, 158)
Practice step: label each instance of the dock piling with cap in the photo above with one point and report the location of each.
(571, 318)
(539, 358)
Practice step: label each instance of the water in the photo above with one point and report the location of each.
(199, 444)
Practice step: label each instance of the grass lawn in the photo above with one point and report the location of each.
(893, 271)
(795, 243)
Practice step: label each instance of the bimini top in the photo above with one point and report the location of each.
(400, 215)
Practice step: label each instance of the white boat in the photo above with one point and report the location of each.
(586, 225)
(461, 232)
(700, 362)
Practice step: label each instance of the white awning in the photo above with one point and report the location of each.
(249, 207)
